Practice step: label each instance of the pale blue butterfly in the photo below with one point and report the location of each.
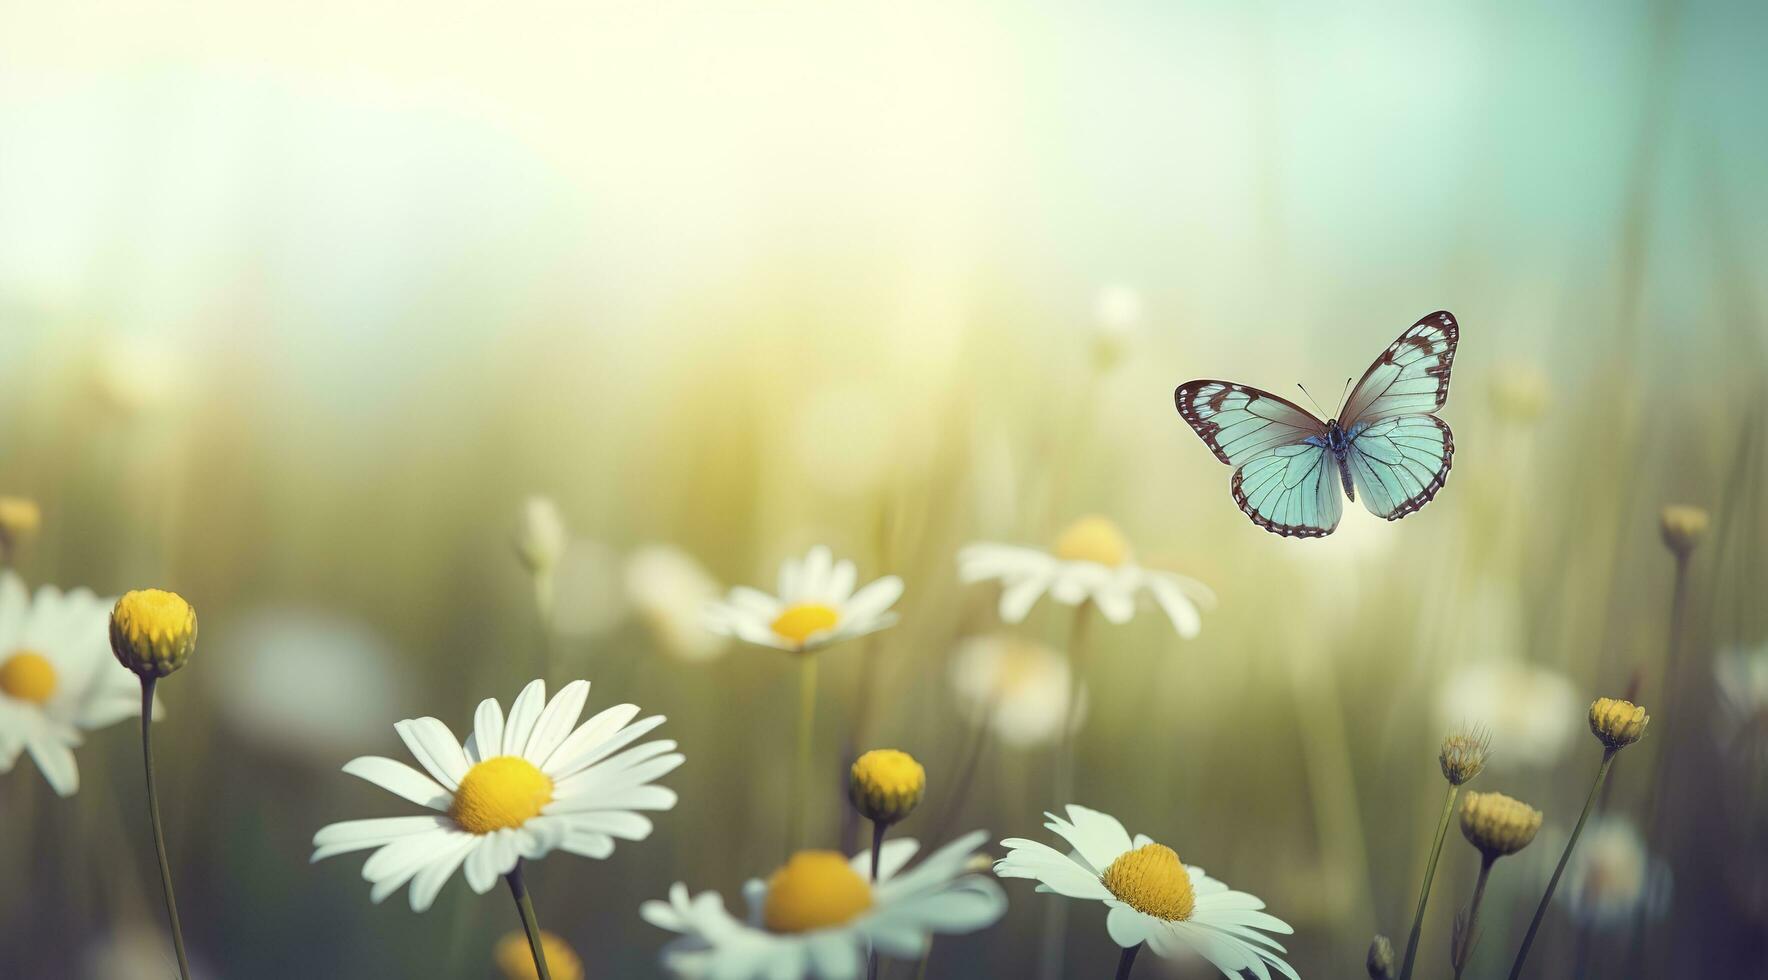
(1385, 443)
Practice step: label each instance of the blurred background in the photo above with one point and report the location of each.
(298, 303)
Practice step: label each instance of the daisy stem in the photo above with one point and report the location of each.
(1436, 851)
(1528, 939)
(531, 925)
(801, 772)
(153, 814)
(1056, 913)
(1127, 961)
(878, 829)
(1479, 892)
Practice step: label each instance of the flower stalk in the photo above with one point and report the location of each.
(801, 771)
(1127, 961)
(530, 924)
(1528, 939)
(1436, 851)
(153, 813)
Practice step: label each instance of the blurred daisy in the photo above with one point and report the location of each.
(1742, 722)
(345, 669)
(515, 962)
(57, 677)
(818, 915)
(1532, 713)
(1154, 898)
(521, 787)
(1611, 875)
(816, 606)
(1091, 560)
(1018, 688)
(669, 591)
(1117, 319)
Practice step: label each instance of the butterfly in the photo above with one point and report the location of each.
(1385, 443)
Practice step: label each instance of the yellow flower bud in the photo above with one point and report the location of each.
(1617, 723)
(1464, 755)
(1497, 824)
(1682, 527)
(886, 785)
(1380, 963)
(19, 519)
(152, 631)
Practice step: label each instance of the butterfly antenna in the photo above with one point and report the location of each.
(1304, 390)
(1342, 393)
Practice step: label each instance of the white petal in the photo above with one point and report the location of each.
(400, 779)
(523, 714)
(586, 739)
(875, 598)
(356, 835)
(488, 729)
(1127, 926)
(1018, 598)
(434, 747)
(430, 880)
(481, 867)
(56, 761)
(556, 722)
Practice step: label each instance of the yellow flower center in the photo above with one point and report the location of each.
(1094, 539)
(814, 890)
(1151, 880)
(798, 622)
(28, 676)
(152, 631)
(502, 792)
(517, 963)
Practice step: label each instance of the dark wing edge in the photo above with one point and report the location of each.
(1440, 478)
(1413, 341)
(1207, 429)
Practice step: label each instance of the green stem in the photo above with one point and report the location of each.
(1436, 851)
(1056, 913)
(159, 834)
(1479, 892)
(878, 829)
(806, 728)
(530, 924)
(1528, 939)
(1127, 961)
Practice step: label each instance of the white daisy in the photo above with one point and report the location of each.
(1534, 713)
(1017, 687)
(57, 677)
(816, 606)
(1611, 875)
(1741, 724)
(521, 787)
(1153, 897)
(1091, 560)
(819, 915)
(669, 591)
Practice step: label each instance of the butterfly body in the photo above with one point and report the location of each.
(1337, 441)
(1385, 441)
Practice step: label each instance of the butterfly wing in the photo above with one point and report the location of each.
(1400, 463)
(1291, 490)
(1411, 377)
(1285, 476)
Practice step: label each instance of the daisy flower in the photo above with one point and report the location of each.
(669, 591)
(1532, 712)
(819, 914)
(816, 606)
(1611, 876)
(57, 678)
(1018, 688)
(1153, 897)
(1741, 723)
(1091, 561)
(523, 785)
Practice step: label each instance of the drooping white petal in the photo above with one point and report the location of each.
(56, 761)
(400, 779)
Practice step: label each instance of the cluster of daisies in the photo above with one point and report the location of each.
(540, 778)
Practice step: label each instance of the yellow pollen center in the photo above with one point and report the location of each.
(1152, 880)
(814, 890)
(798, 622)
(1093, 539)
(502, 792)
(28, 676)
